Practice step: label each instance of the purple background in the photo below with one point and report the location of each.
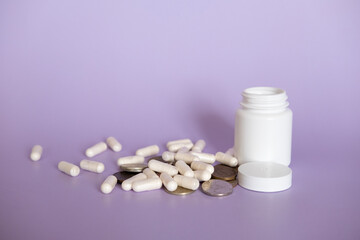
(75, 72)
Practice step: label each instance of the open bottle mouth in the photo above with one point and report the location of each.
(264, 98)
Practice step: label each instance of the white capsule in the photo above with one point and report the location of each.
(186, 157)
(114, 144)
(199, 146)
(176, 146)
(202, 166)
(147, 185)
(168, 156)
(226, 159)
(202, 175)
(185, 140)
(69, 168)
(148, 151)
(127, 184)
(184, 169)
(96, 149)
(36, 153)
(168, 182)
(187, 182)
(150, 173)
(158, 166)
(109, 184)
(205, 157)
(230, 151)
(130, 159)
(92, 166)
(183, 149)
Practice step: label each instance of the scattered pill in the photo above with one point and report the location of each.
(176, 146)
(168, 156)
(127, 184)
(199, 146)
(184, 169)
(130, 159)
(187, 182)
(180, 179)
(36, 153)
(185, 140)
(148, 151)
(202, 166)
(205, 157)
(186, 157)
(161, 167)
(230, 151)
(226, 159)
(96, 149)
(150, 173)
(114, 144)
(169, 183)
(147, 185)
(109, 184)
(202, 175)
(69, 168)
(92, 166)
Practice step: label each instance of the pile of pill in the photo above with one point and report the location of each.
(179, 170)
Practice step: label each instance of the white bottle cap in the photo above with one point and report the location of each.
(264, 176)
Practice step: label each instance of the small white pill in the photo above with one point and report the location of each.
(109, 184)
(186, 157)
(176, 146)
(127, 184)
(161, 167)
(226, 159)
(96, 149)
(69, 168)
(202, 166)
(130, 159)
(150, 173)
(183, 149)
(202, 175)
(92, 166)
(114, 144)
(205, 157)
(168, 156)
(168, 182)
(148, 151)
(184, 169)
(185, 140)
(147, 185)
(230, 151)
(36, 153)
(187, 182)
(199, 146)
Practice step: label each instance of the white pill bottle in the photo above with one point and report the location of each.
(263, 126)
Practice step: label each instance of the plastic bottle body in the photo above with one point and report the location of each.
(263, 127)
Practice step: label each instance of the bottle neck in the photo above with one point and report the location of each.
(264, 99)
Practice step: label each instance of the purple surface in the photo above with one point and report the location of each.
(75, 72)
